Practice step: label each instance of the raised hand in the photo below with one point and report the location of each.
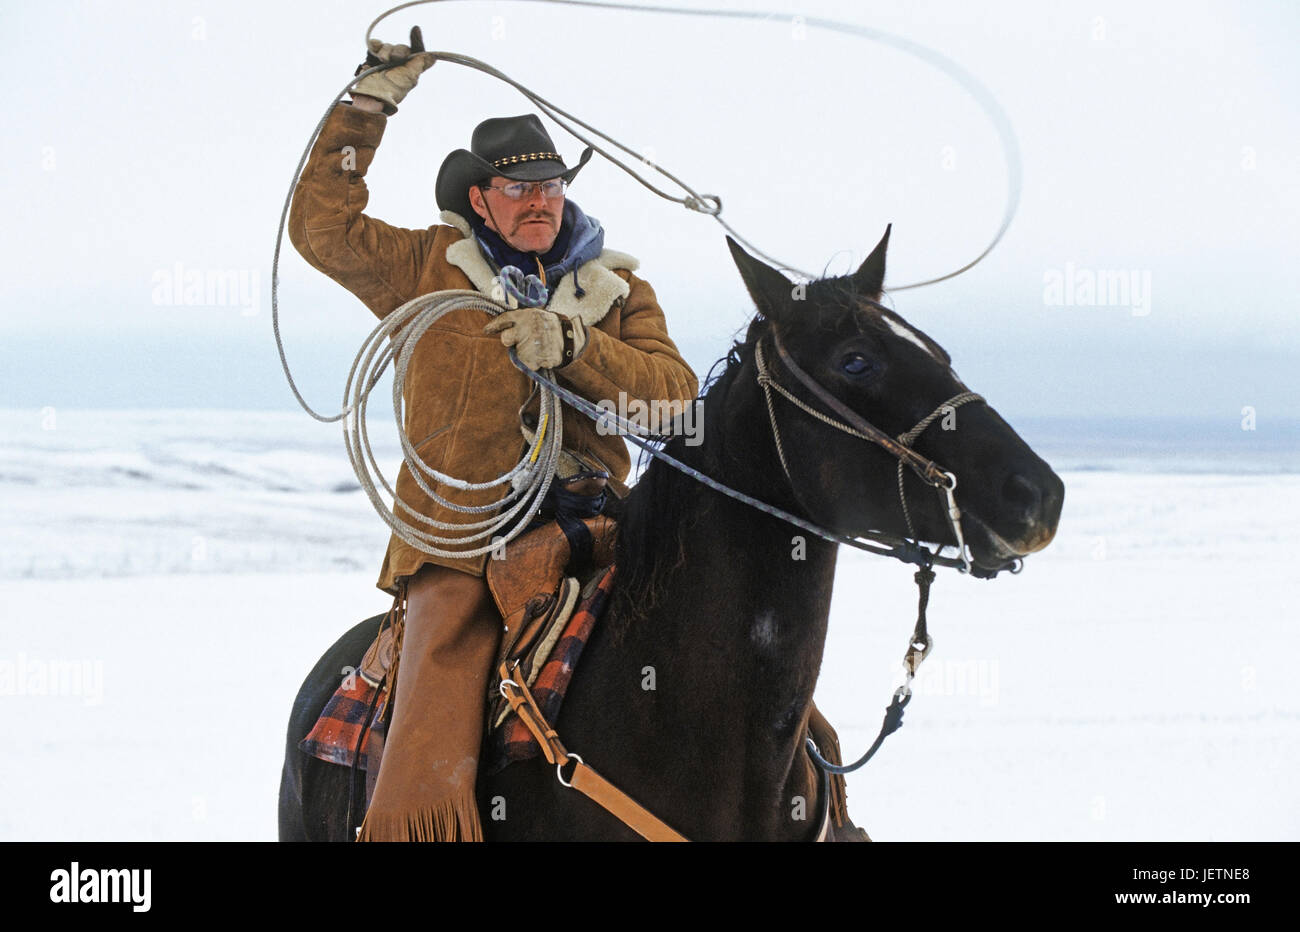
(390, 86)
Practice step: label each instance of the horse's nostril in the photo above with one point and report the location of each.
(1020, 492)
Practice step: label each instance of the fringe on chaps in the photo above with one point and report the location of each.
(426, 785)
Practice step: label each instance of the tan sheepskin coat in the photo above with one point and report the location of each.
(462, 393)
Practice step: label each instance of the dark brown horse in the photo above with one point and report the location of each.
(723, 607)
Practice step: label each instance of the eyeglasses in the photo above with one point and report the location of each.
(518, 190)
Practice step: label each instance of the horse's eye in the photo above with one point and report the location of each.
(856, 364)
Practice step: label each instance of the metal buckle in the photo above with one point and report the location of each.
(559, 768)
(954, 521)
(916, 654)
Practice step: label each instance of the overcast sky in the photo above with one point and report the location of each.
(1159, 140)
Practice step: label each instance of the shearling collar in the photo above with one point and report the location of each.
(601, 286)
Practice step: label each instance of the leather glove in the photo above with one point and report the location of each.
(538, 336)
(390, 86)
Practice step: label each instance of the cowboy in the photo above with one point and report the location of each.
(468, 410)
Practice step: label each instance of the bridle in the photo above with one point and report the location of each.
(930, 472)
(934, 475)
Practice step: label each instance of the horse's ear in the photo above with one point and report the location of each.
(869, 279)
(770, 289)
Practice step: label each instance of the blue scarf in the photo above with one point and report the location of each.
(581, 239)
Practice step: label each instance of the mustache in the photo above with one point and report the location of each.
(546, 218)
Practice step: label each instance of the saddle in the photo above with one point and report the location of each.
(535, 585)
(528, 583)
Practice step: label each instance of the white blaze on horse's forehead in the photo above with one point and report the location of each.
(764, 630)
(907, 333)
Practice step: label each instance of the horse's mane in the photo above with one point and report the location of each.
(664, 500)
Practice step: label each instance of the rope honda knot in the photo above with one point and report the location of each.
(709, 204)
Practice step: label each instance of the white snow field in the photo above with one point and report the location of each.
(168, 578)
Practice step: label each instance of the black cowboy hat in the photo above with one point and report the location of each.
(518, 148)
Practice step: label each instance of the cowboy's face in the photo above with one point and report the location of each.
(529, 224)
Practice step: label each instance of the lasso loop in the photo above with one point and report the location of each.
(531, 477)
(711, 205)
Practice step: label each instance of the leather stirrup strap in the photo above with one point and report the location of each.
(585, 779)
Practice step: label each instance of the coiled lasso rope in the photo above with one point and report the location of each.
(531, 477)
(392, 342)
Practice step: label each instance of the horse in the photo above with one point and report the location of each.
(723, 607)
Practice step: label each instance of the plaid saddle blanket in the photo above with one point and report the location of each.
(338, 731)
(513, 741)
